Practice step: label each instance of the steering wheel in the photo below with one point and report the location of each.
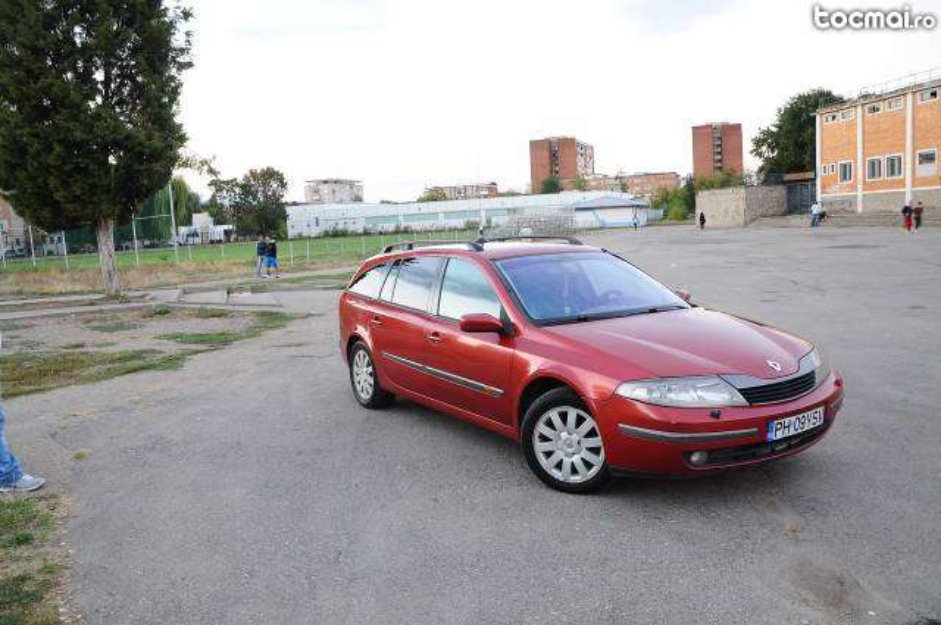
(612, 296)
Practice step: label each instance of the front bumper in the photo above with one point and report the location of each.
(647, 439)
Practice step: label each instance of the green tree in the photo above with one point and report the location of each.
(432, 195)
(580, 184)
(552, 184)
(258, 207)
(788, 145)
(88, 96)
(224, 195)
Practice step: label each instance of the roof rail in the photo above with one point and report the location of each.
(565, 239)
(411, 245)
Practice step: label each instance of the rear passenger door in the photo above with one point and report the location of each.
(399, 324)
(469, 370)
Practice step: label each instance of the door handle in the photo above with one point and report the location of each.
(434, 337)
(376, 321)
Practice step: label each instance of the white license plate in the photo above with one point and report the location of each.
(789, 426)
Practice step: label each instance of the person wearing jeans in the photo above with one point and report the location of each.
(12, 478)
(261, 253)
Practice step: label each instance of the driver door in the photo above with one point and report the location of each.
(468, 370)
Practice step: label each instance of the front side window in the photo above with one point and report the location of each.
(414, 281)
(846, 171)
(465, 290)
(874, 168)
(370, 281)
(582, 286)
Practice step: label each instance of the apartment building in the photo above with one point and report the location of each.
(332, 190)
(717, 147)
(466, 191)
(564, 157)
(646, 184)
(878, 152)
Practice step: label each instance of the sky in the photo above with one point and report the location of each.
(404, 94)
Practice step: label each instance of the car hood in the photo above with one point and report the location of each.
(687, 342)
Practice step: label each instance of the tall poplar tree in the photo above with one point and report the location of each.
(88, 99)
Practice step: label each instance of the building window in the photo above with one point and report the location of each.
(875, 107)
(874, 168)
(927, 95)
(829, 118)
(846, 114)
(832, 168)
(926, 162)
(846, 171)
(893, 104)
(893, 166)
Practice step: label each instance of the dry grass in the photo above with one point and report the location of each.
(58, 281)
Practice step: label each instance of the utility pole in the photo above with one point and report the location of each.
(176, 249)
(134, 232)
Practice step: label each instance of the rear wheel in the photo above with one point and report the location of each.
(363, 378)
(562, 443)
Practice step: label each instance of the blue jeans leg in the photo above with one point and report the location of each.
(10, 470)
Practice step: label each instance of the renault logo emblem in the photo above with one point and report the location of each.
(774, 365)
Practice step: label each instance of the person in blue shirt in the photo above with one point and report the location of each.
(261, 253)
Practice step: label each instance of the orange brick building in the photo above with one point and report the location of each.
(564, 157)
(717, 147)
(878, 152)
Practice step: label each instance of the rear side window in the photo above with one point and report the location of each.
(370, 281)
(466, 290)
(415, 281)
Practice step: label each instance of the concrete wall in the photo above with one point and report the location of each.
(724, 208)
(735, 207)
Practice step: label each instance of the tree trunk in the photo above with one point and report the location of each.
(109, 265)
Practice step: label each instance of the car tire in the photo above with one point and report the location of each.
(363, 379)
(562, 443)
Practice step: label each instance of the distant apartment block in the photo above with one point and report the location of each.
(564, 157)
(878, 152)
(647, 184)
(333, 191)
(466, 191)
(717, 147)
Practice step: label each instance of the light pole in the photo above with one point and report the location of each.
(176, 249)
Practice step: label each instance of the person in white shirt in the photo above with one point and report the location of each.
(816, 209)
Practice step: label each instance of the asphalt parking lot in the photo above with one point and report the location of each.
(249, 487)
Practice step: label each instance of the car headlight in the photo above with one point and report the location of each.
(821, 365)
(694, 392)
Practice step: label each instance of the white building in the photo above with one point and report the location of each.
(332, 191)
(588, 209)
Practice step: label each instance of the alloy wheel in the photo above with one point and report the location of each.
(363, 375)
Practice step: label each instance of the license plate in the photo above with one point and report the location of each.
(789, 426)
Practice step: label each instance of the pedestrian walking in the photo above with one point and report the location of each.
(907, 218)
(12, 478)
(634, 222)
(917, 212)
(816, 211)
(702, 220)
(272, 258)
(261, 253)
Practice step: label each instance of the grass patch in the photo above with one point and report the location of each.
(210, 313)
(31, 570)
(78, 345)
(81, 454)
(34, 372)
(116, 326)
(201, 338)
(160, 310)
(265, 320)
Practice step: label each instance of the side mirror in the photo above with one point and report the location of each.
(683, 294)
(481, 322)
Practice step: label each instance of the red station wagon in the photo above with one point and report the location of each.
(592, 365)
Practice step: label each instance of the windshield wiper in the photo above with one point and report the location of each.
(610, 315)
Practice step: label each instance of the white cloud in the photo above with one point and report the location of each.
(405, 93)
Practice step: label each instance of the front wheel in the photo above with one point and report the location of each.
(562, 443)
(363, 378)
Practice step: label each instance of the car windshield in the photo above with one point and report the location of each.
(583, 286)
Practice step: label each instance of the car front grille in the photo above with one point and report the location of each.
(779, 391)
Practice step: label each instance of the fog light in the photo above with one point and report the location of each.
(699, 458)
